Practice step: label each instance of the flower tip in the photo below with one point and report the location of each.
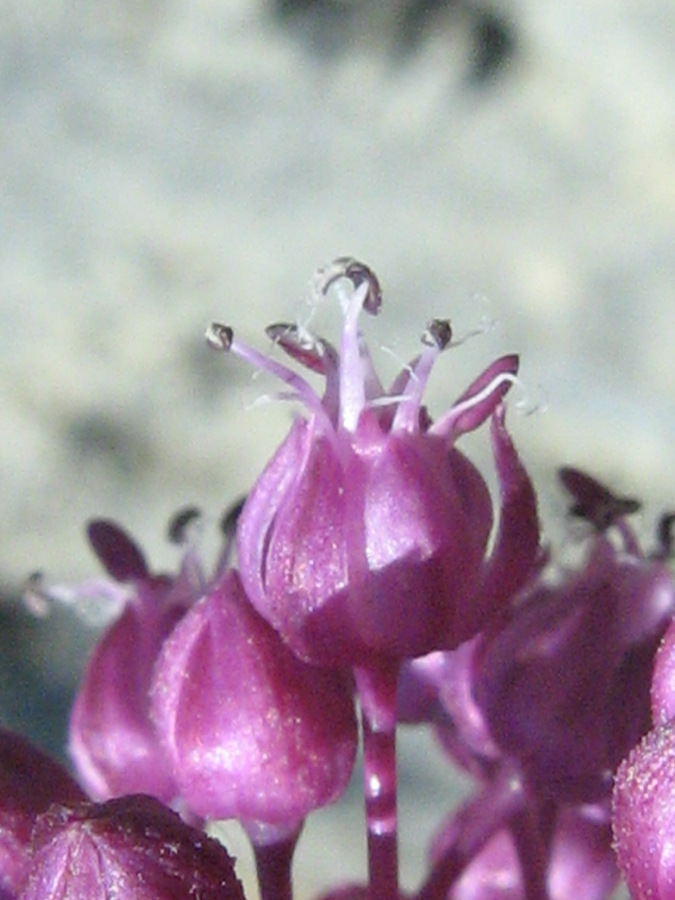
(356, 272)
(438, 334)
(219, 336)
(593, 501)
(510, 363)
(181, 524)
(116, 550)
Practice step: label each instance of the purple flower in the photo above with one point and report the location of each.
(367, 533)
(112, 739)
(130, 847)
(439, 689)
(251, 731)
(580, 861)
(644, 816)
(565, 684)
(29, 783)
(663, 678)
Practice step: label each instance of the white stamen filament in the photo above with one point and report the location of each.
(407, 413)
(352, 384)
(301, 388)
(444, 425)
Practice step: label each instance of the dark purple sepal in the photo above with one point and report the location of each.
(29, 783)
(131, 847)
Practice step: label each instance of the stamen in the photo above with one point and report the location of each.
(358, 273)
(221, 337)
(352, 376)
(35, 597)
(230, 518)
(228, 528)
(356, 369)
(182, 525)
(316, 353)
(436, 338)
(665, 537)
(438, 334)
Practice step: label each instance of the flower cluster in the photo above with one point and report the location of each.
(376, 577)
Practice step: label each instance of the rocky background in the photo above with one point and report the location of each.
(167, 162)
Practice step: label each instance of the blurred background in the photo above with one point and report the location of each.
(164, 163)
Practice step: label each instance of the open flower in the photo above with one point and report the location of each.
(367, 533)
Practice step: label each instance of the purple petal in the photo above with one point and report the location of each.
(116, 550)
(112, 740)
(516, 551)
(480, 400)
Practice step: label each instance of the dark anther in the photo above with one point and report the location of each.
(593, 501)
(665, 537)
(181, 522)
(35, 596)
(494, 46)
(229, 519)
(35, 583)
(357, 273)
(219, 336)
(306, 349)
(438, 333)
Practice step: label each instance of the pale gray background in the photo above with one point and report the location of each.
(166, 162)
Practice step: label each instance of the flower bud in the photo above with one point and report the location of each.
(581, 863)
(644, 816)
(251, 731)
(29, 783)
(130, 847)
(112, 739)
(663, 678)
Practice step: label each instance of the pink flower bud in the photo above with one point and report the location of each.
(663, 678)
(251, 732)
(112, 740)
(644, 816)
